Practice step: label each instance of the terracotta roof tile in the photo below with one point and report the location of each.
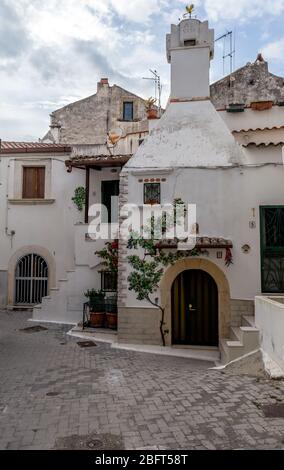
(259, 129)
(32, 147)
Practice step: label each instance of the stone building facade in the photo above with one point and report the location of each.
(89, 121)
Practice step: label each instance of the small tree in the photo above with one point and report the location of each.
(148, 268)
(109, 255)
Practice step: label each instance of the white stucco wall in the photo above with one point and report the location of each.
(49, 223)
(227, 201)
(269, 318)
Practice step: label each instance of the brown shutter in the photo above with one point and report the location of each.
(33, 182)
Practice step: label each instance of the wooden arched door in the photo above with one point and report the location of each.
(195, 309)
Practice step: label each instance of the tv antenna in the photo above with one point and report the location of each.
(158, 87)
(229, 43)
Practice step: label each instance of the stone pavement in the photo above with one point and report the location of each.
(52, 390)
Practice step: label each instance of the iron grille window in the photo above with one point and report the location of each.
(128, 111)
(108, 281)
(272, 249)
(152, 193)
(31, 280)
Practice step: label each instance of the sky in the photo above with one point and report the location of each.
(53, 52)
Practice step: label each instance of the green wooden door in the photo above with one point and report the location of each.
(195, 309)
(272, 249)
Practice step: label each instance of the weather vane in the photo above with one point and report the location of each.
(189, 10)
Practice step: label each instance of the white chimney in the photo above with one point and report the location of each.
(190, 47)
(191, 133)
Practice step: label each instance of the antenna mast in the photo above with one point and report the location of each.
(158, 87)
(231, 54)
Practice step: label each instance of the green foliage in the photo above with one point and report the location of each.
(149, 103)
(79, 198)
(109, 255)
(94, 295)
(149, 268)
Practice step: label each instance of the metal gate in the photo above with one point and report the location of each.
(31, 279)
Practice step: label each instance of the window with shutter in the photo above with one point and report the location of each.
(33, 182)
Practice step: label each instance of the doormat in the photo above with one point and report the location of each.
(274, 411)
(86, 344)
(33, 329)
(90, 442)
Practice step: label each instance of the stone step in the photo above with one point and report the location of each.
(248, 320)
(231, 350)
(248, 336)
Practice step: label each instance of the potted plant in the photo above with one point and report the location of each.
(109, 255)
(111, 312)
(151, 109)
(97, 307)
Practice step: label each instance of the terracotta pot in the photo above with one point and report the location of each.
(97, 319)
(152, 113)
(111, 320)
(261, 105)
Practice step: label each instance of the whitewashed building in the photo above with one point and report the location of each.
(218, 149)
(47, 260)
(239, 195)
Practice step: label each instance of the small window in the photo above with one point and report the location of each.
(190, 42)
(152, 193)
(128, 111)
(33, 182)
(108, 281)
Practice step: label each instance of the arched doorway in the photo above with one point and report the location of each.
(195, 309)
(31, 279)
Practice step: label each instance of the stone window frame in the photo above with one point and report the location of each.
(129, 99)
(17, 177)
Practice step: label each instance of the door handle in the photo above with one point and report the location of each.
(191, 309)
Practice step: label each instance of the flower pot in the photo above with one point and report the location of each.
(235, 108)
(97, 319)
(261, 105)
(152, 113)
(111, 320)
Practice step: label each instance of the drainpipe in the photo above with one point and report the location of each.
(7, 232)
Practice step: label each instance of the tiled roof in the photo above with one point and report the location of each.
(32, 147)
(98, 160)
(263, 144)
(259, 129)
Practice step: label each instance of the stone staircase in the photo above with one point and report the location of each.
(242, 341)
(64, 304)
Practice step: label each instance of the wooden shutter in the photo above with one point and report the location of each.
(33, 182)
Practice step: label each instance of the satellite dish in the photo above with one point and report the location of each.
(115, 135)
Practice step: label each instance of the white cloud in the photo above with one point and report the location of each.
(242, 9)
(67, 45)
(274, 50)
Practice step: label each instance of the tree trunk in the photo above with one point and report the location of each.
(162, 321)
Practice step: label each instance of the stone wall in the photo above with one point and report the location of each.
(139, 326)
(122, 253)
(89, 120)
(253, 82)
(239, 308)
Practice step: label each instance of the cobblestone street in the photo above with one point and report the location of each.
(52, 389)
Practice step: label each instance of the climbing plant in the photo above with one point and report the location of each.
(153, 257)
(79, 198)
